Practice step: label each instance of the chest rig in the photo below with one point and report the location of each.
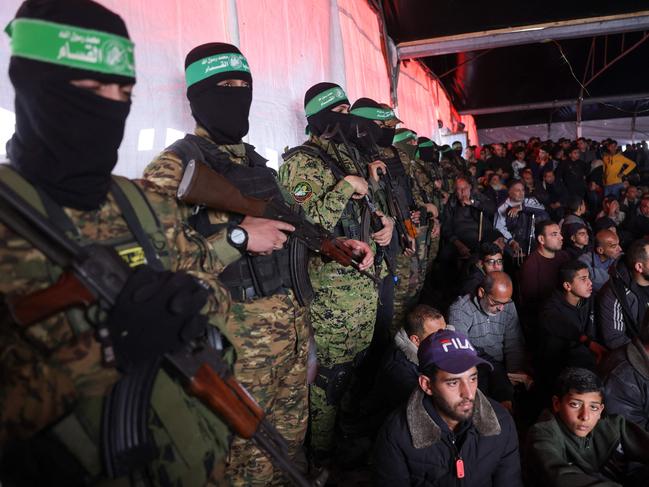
(252, 276)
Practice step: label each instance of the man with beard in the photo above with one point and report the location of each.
(541, 268)
(624, 299)
(57, 374)
(448, 433)
(323, 179)
(267, 324)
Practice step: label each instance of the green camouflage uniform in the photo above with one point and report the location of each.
(52, 374)
(270, 336)
(423, 174)
(407, 287)
(344, 307)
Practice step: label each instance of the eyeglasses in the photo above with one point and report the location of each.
(493, 302)
(493, 261)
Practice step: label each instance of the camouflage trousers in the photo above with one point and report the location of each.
(343, 314)
(271, 336)
(406, 290)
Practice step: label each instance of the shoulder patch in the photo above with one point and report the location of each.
(302, 192)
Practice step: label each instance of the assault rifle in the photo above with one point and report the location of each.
(97, 274)
(404, 225)
(201, 185)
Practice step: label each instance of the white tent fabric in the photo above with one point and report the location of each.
(290, 45)
(621, 129)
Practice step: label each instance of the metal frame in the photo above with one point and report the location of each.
(527, 34)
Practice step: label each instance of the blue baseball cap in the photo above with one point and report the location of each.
(449, 351)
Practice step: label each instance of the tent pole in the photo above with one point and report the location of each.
(580, 102)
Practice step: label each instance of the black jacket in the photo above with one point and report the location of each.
(621, 306)
(412, 450)
(626, 382)
(573, 175)
(560, 327)
(463, 223)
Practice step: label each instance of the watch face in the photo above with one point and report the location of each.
(238, 236)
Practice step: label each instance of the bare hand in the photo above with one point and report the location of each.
(362, 251)
(599, 351)
(383, 236)
(412, 247)
(435, 231)
(432, 209)
(359, 184)
(415, 216)
(514, 211)
(265, 235)
(516, 247)
(521, 378)
(373, 168)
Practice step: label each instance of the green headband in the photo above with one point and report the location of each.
(428, 143)
(216, 64)
(332, 96)
(373, 113)
(71, 46)
(405, 135)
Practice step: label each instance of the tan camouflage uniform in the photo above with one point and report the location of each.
(344, 307)
(52, 374)
(270, 336)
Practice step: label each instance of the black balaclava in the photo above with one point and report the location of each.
(319, 100)
(221, 110)
(66, 138)
(364, 112)
(401, 138)
(427, 150)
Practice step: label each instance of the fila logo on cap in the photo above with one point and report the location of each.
(457, 344)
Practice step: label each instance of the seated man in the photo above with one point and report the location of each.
(577, 446)
(490, 260)
(398, 374)
(605, 251)
(516, 216)
(637, 223)
(567, 327)
(489, 318)
(448, 433)
(626, 380)
(623, 301)
(575, 239)
(466, 222)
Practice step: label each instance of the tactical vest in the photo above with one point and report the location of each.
(70, 450)
(349, 225)
(258, 275)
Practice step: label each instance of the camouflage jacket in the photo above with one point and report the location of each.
(314, 186)
(53, 370)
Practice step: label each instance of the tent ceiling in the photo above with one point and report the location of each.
(534, 73)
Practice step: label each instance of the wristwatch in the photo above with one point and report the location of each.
(238, 238)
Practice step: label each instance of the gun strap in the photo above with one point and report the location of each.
(139, 216)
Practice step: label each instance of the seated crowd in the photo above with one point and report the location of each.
(545, 263)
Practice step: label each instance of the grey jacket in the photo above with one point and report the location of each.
(598, 275)
(498, 336)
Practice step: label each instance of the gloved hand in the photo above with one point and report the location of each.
(156, 312)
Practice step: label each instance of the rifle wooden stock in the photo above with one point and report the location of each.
(203, 186)
(225, 397)
(66, 293)
(410, 228)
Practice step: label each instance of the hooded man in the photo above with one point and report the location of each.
(267, 323)
(322, 175)
(73, 62)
